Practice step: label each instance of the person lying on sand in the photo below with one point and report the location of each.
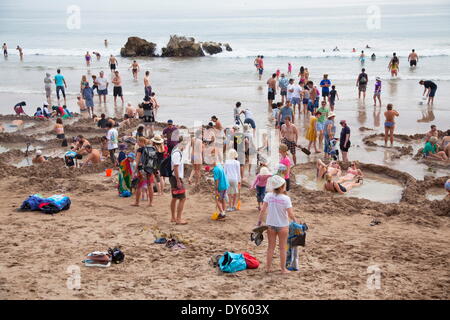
(93, 156)
(333, 169)
(39, 158)
(341, 188)
(352, 173)
(431, 150)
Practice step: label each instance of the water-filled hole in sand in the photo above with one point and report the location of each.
(436, 193)
(375, 187)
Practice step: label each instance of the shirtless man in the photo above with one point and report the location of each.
(113, 63)
(147, 86)
(413, 58)
(389, 124)
(135, 69)
(93, 156)
(80, 146)
(117, 90)
(155, 103)
(289, 134)
(20, 52)
(432, 133)
(272, 90)
(130, 111)
(5, 50)
(219, 136)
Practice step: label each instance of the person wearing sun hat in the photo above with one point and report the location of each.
(329, 132)
(279, 210)
(38, 158)
(158, 143)
(260, 184)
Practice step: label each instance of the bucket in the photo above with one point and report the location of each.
(108, 172)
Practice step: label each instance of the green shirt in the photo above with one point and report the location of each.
(429, 148)
(323, 116)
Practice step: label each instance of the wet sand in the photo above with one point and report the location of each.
(409, 245)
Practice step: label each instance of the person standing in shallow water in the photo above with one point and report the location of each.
(389, 124)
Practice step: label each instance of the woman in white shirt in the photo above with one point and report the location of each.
(232, 170)
(279, 208)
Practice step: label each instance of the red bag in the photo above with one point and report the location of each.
(251, 261)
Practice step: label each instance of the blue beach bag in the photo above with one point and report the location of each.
(232, 262)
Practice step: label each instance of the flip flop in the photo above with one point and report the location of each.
(260, 229)
(259, 239)
(374, 222)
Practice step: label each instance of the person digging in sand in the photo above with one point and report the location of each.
(279, 210)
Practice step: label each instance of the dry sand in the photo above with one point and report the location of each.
(410, 246)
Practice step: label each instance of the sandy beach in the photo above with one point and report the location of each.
(394, 227)
(410, 243)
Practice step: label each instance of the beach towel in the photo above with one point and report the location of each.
(296, 237)
(51, 205)
(125, 174)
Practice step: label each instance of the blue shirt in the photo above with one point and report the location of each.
(59, 80)
(286, 111)
(283, 83)
(219, 174)
(323, 82)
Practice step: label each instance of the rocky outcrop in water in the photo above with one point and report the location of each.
(137, 47)
(182, 47)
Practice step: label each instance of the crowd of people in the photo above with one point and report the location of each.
(147, 160)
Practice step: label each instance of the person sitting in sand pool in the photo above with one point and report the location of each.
(39, 158)
(93, 156)
(352, 173)
(130, 111)
(17, 123)
(447, 187)
(333, 169)
(2, 128)
(445, 143)
(80, 145)
(431, 150)
(104, 147)
(59, 129)
(341, 188)
(279, 210)
(432, 133)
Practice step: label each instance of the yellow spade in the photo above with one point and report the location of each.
(238, 206)
(215, 215)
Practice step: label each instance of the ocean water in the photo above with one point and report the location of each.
(190, 90)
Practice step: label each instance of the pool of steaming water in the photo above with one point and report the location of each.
(436, 193)
(375, 187)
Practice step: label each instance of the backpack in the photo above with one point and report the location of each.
(363, 80)
(165, 167)
(232, 262)
(251, 261)
(149, 159)
(117, 256)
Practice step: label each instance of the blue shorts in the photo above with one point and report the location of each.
(447, 186)
(389, 124)
(320, 126)
(432, 92)
(250, 122)
(310, 108)
(102, 92)
(260, 193)
(283, 92)
(305, 101)
(260, 70)
(222, 195)
(295, 100)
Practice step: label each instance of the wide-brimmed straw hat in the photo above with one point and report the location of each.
(275, 182)
(332, 114)
(157, 139)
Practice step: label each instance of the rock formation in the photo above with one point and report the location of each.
(137, 47)
(182, 47)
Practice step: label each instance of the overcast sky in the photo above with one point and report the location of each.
(225, 7)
